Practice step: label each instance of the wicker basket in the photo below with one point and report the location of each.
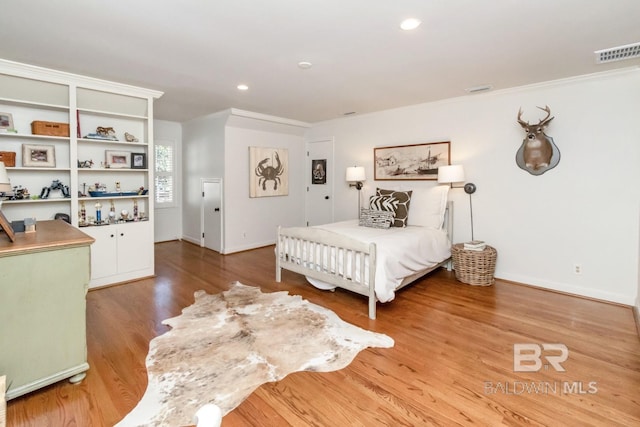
(50, 128)
(474, 267)
(8, 158)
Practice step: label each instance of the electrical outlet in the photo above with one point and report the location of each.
(577, 268)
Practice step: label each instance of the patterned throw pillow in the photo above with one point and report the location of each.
(402, 200)
(375, 218)
(385, 203)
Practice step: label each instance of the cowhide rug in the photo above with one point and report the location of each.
(225, 346)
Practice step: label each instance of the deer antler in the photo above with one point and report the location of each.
(546, 120)
(522, 122)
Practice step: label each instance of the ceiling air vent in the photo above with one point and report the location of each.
(477, 89)
(620, 53)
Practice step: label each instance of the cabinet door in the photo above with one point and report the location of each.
(104, 261)
(42, 317)
(135, 246)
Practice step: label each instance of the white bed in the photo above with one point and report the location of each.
(347, 255)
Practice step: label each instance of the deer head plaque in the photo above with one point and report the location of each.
(538, 153)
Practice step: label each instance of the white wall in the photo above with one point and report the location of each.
(252, 222)
(203, 157)
(168, 220)
(637, 308)
(584, 211)
(217, 146)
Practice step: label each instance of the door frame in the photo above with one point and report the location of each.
(213, 181)
(332, 171)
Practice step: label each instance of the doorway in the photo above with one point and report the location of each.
(211, 215)
(320, 172)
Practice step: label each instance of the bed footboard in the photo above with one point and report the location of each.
(320, 254)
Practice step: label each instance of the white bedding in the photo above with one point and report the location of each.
(401, 252)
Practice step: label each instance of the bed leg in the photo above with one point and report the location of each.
(372, 307)
(278, 269)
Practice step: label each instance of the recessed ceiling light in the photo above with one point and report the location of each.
(305, 65)
(410, 24)
(243, 87)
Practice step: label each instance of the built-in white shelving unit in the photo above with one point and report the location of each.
(124, 246)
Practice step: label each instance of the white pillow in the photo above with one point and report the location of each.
(428, 206)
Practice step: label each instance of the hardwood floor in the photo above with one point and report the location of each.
(452, 363)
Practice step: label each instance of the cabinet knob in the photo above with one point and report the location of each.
(112, 235)
(121, 234)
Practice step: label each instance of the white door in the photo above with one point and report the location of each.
(320, 179)
(212, 214)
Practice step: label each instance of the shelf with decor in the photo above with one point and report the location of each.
(33, 137)
(110, 142)
(111, 170)
(96, 198)
(28, 201)
(33, 169)
(35, 145)
(110, 210)
(38, 192)
(105, 125)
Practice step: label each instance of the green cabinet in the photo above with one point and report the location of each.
(44, 278)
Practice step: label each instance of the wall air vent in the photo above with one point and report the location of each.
(620, 53)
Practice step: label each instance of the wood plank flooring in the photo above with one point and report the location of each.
(452, 363)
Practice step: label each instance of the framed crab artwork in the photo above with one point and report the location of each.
(268, 172)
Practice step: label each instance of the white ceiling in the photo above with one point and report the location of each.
(198, 51)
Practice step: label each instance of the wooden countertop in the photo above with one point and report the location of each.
(49, 235)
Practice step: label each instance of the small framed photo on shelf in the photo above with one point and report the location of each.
(138, 161)
(118, 159)
(38, 156)
(6, 121)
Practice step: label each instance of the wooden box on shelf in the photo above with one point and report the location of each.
(49, 128)
(8, 158)
(474, 267)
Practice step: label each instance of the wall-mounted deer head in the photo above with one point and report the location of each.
(537, 148)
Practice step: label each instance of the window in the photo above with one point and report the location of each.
(165, 173)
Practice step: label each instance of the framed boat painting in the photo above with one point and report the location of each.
(411, 162)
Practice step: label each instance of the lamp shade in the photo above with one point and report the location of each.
(355, 174)
(449, 174)
(5, 185)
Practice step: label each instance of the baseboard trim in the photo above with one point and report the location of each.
(557, 291)
(636, 316)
